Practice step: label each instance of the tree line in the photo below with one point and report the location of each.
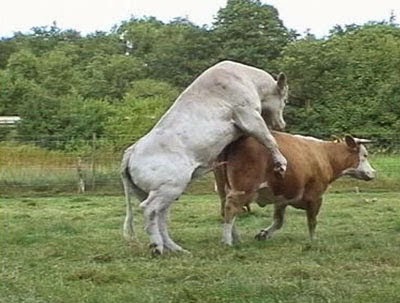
(117, 84)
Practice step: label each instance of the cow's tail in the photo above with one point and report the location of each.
(222, 185)
(127, 179)
(129, 188)
(221, 178)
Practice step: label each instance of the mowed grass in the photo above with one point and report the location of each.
(70, 249)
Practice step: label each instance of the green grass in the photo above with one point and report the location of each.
(70, 249)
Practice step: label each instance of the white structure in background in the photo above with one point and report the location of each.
(9, 120)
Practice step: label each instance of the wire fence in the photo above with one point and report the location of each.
(26, 169)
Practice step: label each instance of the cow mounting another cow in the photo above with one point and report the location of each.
(222, 104)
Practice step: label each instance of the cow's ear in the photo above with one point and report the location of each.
(281, 81)
(336, 139)
(350, 141)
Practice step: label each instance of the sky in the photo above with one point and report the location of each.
(88, 16)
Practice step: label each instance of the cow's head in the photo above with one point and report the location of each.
(361, 168)
(273, 103)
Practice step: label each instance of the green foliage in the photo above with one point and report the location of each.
(173, 52)
(23, 64)
(7, 47)
(149, 88)
(346, 83)
(56, 73)
(250, 32)
(49, 121)
(110, 76)
(142, 107)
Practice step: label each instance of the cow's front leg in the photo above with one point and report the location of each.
(279, 215)
(251, 123)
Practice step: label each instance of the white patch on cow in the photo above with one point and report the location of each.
(227, 236)
(364, 166)
(364, 170)
(310, 138)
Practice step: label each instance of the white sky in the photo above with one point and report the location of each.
(88, 16)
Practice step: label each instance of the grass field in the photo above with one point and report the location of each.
(70, 249)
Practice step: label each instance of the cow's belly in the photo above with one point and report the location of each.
(265, 196)
(207, 140)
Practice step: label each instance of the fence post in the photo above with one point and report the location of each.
(93, 161)
(81, 181)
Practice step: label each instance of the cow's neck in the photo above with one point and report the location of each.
(339, 159)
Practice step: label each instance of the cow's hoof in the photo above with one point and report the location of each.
(184, 251)
(227, 242)
(279, 172)
(155, 250)
(262, 235)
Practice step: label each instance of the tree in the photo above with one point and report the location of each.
(251, 32)
(7, 47)
(175, 52)
(49, 121)
(142, 107)
(23, 64)
(111, 76)
(344, 83)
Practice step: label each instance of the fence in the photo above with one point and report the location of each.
(26, 169)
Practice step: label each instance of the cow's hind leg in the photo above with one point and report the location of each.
(155, 208)
(163, 227)
(279, 214)
(312, 212)
(233, 206)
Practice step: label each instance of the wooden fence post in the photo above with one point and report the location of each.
(93, 161)
(81, 180)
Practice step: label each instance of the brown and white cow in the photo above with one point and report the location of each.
(313, 164)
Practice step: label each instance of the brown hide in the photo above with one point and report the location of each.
(312, 165)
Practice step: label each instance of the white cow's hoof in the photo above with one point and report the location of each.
(156, 250)
(227, 242)
(184, 251)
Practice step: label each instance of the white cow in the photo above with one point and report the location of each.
(221, 105)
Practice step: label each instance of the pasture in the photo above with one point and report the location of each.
(70, 249)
